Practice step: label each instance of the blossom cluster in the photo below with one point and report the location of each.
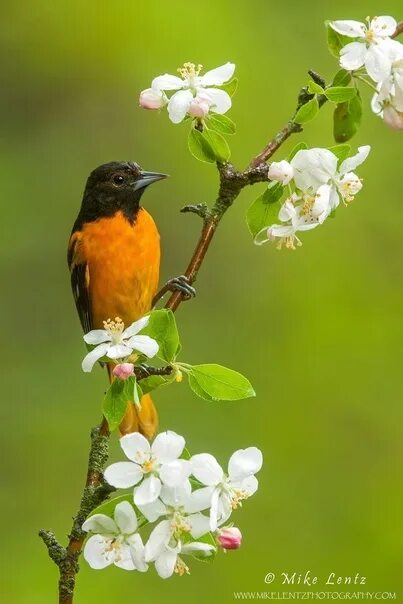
(374, 51)
(193, 95)
(319, 183)
(172, 493)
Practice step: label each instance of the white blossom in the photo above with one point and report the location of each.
(313, 210)
(195, 95)
(388, 101)
(116, 342)
(225, 492)
(369, 49)
(282, 171)
(167, 555)
(116, 541)
(151, 465)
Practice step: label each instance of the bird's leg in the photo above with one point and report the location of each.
(180, 284)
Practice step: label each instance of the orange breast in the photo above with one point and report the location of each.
(123, 266)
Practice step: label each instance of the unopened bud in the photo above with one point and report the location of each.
(229, 537)
(151, 99)
(282, 171)
(199, 108)
(123, 371)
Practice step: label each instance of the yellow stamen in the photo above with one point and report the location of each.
(189, 70)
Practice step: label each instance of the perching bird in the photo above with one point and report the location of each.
(114, 260)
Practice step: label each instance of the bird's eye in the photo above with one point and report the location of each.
(118, 180)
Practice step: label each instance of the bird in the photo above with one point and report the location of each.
(114, 261)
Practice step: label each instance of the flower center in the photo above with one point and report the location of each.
(114, 329)
(307, 205)
(179, 523)
(349, 188)
(181, 568)
(190, 71)
(370, 36)
(237, 496)
(289, 242)
(149, 465)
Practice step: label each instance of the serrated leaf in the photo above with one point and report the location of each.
(218, 144)
(199, 147)
(115, 402)
(340, 151)
(230, 87)
(347, 119)
(307, 112)
(339, 94)
(315, 88)
(221, 123)
(335, 41)
(264, 210)
(162, 327)
(297, 148)
(342, 78)
(217, 383)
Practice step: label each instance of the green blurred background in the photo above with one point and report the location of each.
(318, 331)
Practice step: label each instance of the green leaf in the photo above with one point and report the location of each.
(341, 151)
(335, 41)
(162, 327)
(342, 78)
(307, 112)
(221, 123)
(297, 148)
(264, 210)
(230, 87)
(199, 147)
(155, 381)
(217, 383)
(347, 119)
(115, 402)
(315, 88)
(218, 144)
(339, 94)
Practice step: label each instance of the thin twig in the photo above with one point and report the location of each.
(398, 30)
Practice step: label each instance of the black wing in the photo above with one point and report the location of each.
(80, 279)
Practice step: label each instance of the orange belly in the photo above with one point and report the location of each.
(123, 266)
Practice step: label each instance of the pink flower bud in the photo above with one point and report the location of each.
(151, 99)
(199, 107)
(123, 371)
(229, 537)
(392, 117)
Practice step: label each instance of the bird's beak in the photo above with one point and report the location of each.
(147, 178)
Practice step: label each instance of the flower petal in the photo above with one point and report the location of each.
(313, 168)
(350, 28)
(178, 105)
(97, 336)
(175, 473)
(157, 540)
(383, 26)
(168, 446)
(100, 523)
(148, 491)
(125, 518)
(135, 327)
(249, 485)
(92, 357)
(118, 351)
(137, 551)
(124, 558)
(377, 63)
(176, 496)
(199, 500)
(245, 462)
(144, 344)
(136, 447)
(123, 474)
(200, 525)
(206, 468)
(214, 510)
(219, 75)
(152, 511)
(219, 100)
(98, 553)
(195, 547)
(165, 564)
(167, 82)
(353, 55)
(349, 164)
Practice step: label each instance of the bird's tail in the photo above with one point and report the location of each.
(143, 419)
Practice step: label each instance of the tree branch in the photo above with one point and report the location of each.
(399, 29)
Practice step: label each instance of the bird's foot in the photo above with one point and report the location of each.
(177, 284)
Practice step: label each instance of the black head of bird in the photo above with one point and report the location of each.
(115, 186)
